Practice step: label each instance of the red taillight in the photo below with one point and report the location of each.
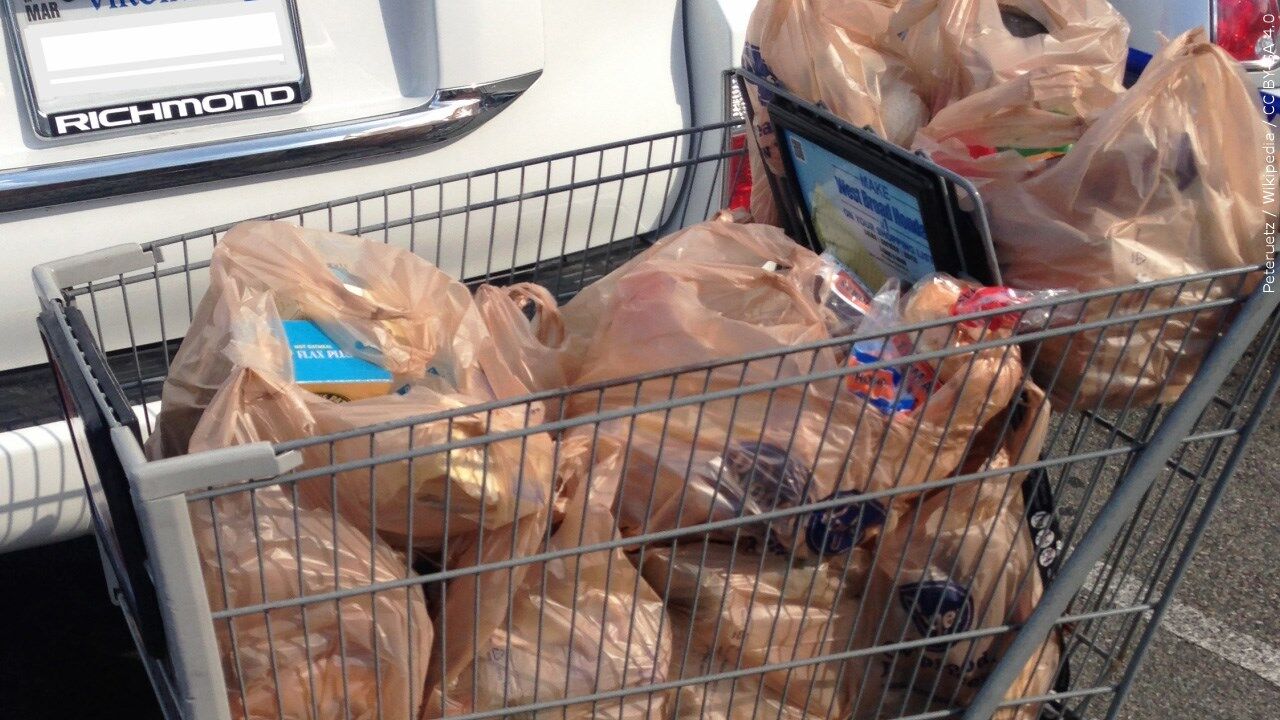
(1243, 25)
(739, 179)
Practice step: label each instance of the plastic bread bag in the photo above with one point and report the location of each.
(380, 303)
(834, 52)
(936, 407)
(1018, 127)
(758, 611)
(961, 560)
(1158, 187)
(961, 47)
(577, 625)
(940, 295)
(741, 698)
(365, 655)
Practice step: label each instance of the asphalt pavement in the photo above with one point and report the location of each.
(1218, 653)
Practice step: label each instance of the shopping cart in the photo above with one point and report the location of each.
(1132, 489)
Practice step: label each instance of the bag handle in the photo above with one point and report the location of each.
(547, 322)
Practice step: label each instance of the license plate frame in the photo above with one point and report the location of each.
(147, 93)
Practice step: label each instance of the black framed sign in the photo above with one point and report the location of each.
(885, 213)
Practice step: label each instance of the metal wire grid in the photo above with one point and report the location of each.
(1114, 609)
(1120, 447)
(562, 221)
(1088, 449)
(1130, 608)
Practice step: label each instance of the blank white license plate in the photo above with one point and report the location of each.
(90, 66)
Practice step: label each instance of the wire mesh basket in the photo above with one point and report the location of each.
(710, 577)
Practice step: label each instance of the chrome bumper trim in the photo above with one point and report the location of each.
(451, 114)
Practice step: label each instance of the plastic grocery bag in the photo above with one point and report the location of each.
(501, 489)
(837, 53)
(716, 291)
(378, 302)
(708, 246)
(488, 485)
(703, 294)
(961, 560)
(1166, 183)
(754, 612)
(498, 497)
(960, 47)
(497, 493)
(492, 516)
(414, 321)
(577, 625)
(365, 655)
(834, 52)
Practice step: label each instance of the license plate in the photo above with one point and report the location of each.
(90, 66)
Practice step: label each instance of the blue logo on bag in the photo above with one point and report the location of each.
(937, 607)
(837, 530)
(753, 62)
